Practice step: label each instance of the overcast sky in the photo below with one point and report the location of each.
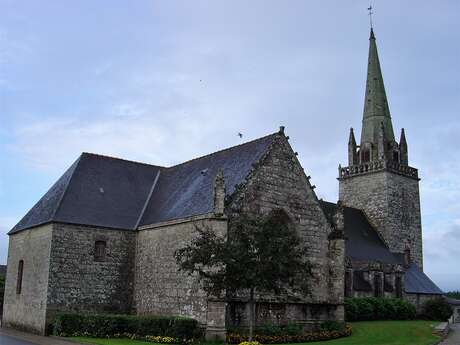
(166, 81)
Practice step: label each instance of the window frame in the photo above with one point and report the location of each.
(100, 250)
(20, 277)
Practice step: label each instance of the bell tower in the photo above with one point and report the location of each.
(378, 178)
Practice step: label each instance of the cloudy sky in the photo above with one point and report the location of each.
(166, 81)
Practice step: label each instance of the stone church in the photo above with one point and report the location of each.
(103, 238)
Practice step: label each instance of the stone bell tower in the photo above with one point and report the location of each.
(378, 178)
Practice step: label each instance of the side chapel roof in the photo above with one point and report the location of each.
(115, 193)
(363, 243)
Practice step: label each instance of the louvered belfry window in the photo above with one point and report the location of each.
(100, 250)
(20, 274)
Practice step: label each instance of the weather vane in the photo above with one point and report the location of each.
(370, 14)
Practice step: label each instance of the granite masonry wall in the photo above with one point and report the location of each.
(379, 279)
(78, 281)
(392, 203)
(279, 182)
(419, 299)
(160, 288)
(27, 310)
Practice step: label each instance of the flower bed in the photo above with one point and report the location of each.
(233, 338)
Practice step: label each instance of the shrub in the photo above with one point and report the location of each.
(404, 310)
(235, 338)
(371, 308)
(331, 326)
(107, 325)
(436, 309)
(351, 309)
(365, 309)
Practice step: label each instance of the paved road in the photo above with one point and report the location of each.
(6, 340)
(454, 335)
(13, 337)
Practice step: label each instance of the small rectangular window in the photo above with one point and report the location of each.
(20, 274)
(399, 287)
(378, 285)
(100, 250)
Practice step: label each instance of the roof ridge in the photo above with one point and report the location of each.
(147, 200)
(223, 150)
(121, 159)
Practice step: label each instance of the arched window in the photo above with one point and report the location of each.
(100, 248)
(20, 274)
(396, 156)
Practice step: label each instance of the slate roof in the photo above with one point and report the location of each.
(186, 189)
(115, 193)
(418, 282)
(364, 244)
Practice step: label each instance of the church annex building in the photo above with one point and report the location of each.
(103, 238)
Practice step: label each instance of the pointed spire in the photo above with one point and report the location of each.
(376, 110)
(352, 152)
(351, 139)
(403, 152)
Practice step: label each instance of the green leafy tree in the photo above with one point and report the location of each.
(453, 294)
(263, 254)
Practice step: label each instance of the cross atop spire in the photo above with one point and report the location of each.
(370, 15)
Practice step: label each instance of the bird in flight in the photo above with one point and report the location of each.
(240, 134)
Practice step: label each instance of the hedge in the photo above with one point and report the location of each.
(108, 325)
(437, 309)
(372, 308)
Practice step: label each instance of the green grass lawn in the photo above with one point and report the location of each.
(389, 333)
(364, 333)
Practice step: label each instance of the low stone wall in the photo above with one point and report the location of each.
(307, 315)
(419, 299)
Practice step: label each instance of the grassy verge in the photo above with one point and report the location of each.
(364, 333)
(389, 333)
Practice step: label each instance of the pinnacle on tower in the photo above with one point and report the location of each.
(403, 152)
(352, 152)
(376, 110)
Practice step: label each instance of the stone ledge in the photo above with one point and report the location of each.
(442, 329)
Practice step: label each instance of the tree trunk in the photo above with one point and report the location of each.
(251, 314)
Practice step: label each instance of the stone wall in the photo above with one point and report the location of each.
(279, 182)
(27, 310)
(160, 288)
(392, 203)
(79, 282)
(307, 315)
(419, 299)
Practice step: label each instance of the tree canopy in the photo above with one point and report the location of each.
(264, 254)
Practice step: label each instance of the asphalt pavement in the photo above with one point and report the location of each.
(6, 340)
